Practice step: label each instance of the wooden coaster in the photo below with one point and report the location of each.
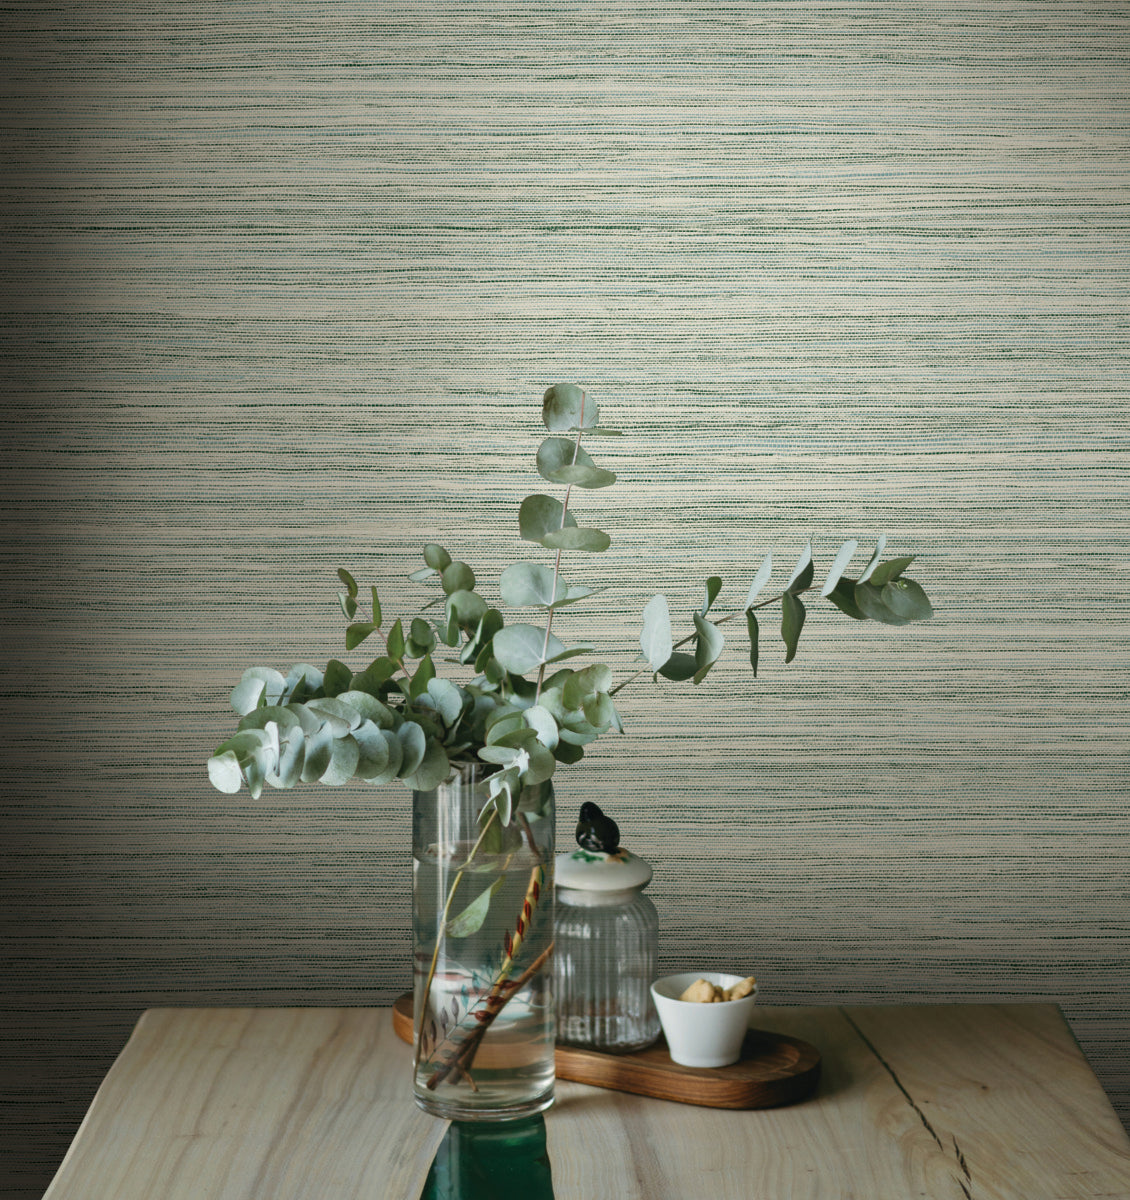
(773, 1070)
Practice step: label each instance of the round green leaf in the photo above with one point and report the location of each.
(458, 577)
(530, 583)
(562, 461)
(318, 752)
(436, 557)
(413, 743)
(341, 717)
(467, 609)
(343, 762)
(224, 772)
(565, 406)
(258, 685)
(541, 721)
(434, 768)
(520, 648)
(539, 515)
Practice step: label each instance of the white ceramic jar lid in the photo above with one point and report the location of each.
(597, 871)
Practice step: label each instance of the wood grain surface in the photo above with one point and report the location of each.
(944, 1102)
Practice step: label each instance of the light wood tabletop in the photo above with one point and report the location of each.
(953, 1102)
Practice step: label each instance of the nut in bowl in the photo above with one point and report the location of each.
(702, 1030)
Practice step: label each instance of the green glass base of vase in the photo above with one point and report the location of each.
(490, 1162)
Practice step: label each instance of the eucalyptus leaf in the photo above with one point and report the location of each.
(870, 600)
(348, 580)
(344, 758)
(802, 572)
(436, 557)
(562, 461)
(302, 682)
(839, 565)
(292, 753)
(423, 573)
(467, 609)
(594, 540)
(656, 640)
(457, 577)
(425, 673)
(568, 752)
(843, 597)
(708, 645)
(600, 711)
(539, 515)
(260, 718)
(258, 685)
(679, 666)
(341, 717)
(713, 587)
(892, 569)
(751, 625)
(907, 599)
(565, 406)
(375, 676)
(502, 786)
(413, 744)
(520, 648)
(421, 639)
(447, 699)
(471, 919)
(338, 678)
(760, 580)
(792, 622)
(581, 685)
(541, 764)
(348, 605)
(434, 768)
(395, 645)
(530, 584)
(542, 722)
(880, 546)
(317, 753)
(225, 773)
(373, 754)
(357, 633)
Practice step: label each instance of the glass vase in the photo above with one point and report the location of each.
(482, 938)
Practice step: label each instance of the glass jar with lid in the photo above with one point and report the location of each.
(606, 942)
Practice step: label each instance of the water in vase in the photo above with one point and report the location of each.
(483, 999)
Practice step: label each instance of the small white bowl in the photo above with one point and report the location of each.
(702, 1035)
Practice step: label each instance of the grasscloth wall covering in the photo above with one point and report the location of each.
(283, 284)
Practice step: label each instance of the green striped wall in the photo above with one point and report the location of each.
(282, 286)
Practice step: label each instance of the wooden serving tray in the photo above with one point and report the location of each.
(773, 1070)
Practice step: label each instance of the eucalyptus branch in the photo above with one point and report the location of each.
(342, 723)
(721, 621)
(443, 924)
(557, 558)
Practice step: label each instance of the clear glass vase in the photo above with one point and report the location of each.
(482, 934)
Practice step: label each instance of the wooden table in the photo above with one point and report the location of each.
(985, 1102)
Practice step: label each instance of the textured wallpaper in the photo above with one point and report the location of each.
(282, 286)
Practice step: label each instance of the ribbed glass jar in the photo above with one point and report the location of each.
(605, 960)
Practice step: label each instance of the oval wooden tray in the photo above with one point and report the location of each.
(773, 1070)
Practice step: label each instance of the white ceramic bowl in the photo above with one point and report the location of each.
(702, 1035)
